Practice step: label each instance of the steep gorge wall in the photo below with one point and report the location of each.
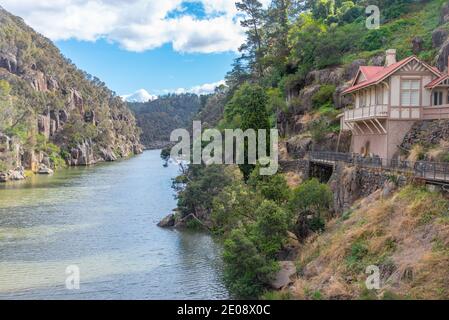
(46, 101)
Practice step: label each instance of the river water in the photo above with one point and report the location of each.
(102, 222)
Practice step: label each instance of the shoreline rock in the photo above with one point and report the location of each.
(13, 175)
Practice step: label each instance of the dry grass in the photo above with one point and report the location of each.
(293, 179)
(406, 235)
(417, 153)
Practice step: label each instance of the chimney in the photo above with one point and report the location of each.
(390, 58)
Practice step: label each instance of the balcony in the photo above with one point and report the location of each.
(436, 112)
(371, 112)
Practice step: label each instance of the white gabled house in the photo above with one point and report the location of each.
(389, 100)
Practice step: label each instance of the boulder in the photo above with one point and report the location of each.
(16, 174)
(284, 277)
(168, 222)
(43, 169)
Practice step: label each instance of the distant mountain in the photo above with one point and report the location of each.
(50, 111)
(141, 95)
(158, 118)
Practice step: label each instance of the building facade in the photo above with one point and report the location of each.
(389, 100)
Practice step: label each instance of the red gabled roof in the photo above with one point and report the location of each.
(437, 81)
(374, 75)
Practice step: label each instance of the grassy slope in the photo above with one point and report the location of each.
(406, 235)
(399, 33)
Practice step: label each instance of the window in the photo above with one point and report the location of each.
(410, 93)
(379, 96)
(362, 99)
(437, 98)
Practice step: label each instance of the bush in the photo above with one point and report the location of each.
(324, 96)
(273, 188)
(246, 270)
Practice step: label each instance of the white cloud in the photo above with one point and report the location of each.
(136, 25)
(141, 95)
(206, 88)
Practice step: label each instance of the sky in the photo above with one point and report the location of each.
(155, 46)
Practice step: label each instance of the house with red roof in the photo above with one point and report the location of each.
(389, 100)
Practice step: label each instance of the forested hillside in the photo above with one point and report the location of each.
(297, 59)
(158, 118)
(51, 113)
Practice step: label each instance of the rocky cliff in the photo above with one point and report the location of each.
(51, 112)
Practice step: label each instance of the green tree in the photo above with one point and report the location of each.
(270, 229)
(311, 196)
(246, 270)
(248, 107)
(272, 188)
(252, 48)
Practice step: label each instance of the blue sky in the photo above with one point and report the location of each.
(156, 70)
(157, 45)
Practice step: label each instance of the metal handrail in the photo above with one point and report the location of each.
(438, 171)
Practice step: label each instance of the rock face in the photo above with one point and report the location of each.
(70, 107)
(82, 154)
(426, 133)
(442, 58)
(439, 36)
(350, 183)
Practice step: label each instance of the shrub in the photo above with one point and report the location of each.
(324, 96)
(311, 196)
(246, 269)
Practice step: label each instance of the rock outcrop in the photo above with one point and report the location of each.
(426, 133)
(82, 154)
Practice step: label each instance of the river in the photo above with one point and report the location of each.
(102, 221)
